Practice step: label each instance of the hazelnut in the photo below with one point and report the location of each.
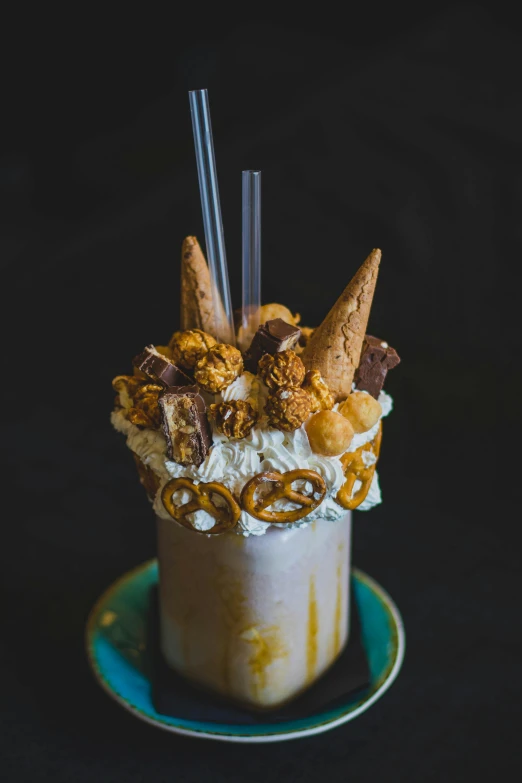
(288, 408)
(362, 411)
(190, 346)
(322, 398)
(329, 433)
(234, 419)
(218, 368)
(283, 368)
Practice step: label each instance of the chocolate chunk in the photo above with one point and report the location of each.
(377, 357)
(161, 369)
(185, 424)
(271, 337)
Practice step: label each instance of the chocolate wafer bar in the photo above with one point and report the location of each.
(271, 337)
(377, 357)
(161, 369)
(185, 425)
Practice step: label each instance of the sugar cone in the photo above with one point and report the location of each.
(197, 307)
(335, 346)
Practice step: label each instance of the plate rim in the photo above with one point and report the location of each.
(275, 736)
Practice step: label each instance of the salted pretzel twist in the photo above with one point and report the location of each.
(282, 491)
(226, 516)
(355, 470)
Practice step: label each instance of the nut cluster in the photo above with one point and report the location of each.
(218, 367)
(190, 346)
(281, 369)
(322, 398)
(145, 411)
(234, 419)
(288, 408)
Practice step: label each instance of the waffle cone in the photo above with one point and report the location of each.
(197, 307)
(198, 310)
(335, 346)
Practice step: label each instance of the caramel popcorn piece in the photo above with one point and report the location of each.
(188, 347)
(159, 369)
(284, 368)
(322, 398)
(362, 411)
(288, 408)
(329, 433)
(235, 418)
(218, 368)
(139, 418)
(146, 412)
(126, 387)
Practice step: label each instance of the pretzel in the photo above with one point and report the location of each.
(355, 470)
(226, 516)
(282, 490)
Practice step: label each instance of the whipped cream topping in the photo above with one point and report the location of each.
(234, 462)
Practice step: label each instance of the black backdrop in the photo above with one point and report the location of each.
(400, 131)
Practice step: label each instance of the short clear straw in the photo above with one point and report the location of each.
(212, 221)
(251, 255)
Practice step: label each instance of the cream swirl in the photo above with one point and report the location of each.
(234, 462)
(246, 387)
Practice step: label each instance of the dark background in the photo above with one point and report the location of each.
(398, 129)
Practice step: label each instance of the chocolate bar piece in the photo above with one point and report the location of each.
(377, 357)
(185, 424)
(271, 337)
(161, 369)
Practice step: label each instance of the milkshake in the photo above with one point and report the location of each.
(264, 616)
(253, 462)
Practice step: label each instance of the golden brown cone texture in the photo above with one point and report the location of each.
(335, 346)
(197, 308)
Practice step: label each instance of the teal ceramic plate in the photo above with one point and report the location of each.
(115, 639)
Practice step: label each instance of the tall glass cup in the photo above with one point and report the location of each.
(255, 618)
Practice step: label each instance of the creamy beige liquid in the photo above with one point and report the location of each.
(256, 618)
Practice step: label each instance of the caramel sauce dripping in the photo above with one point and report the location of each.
(313, 628)
(337, 616)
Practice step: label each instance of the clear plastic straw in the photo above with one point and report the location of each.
(212, 222)
(251, 256)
